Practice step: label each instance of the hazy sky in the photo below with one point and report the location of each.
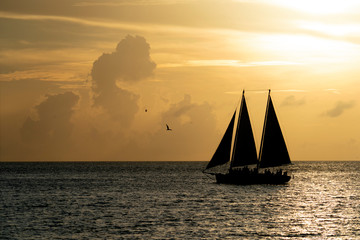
(77, 76)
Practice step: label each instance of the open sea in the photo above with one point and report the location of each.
(175, 200)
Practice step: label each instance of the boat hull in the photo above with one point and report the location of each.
(255, 178)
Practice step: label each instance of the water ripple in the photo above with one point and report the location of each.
(175, 201)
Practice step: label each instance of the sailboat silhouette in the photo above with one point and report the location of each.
(241, 152)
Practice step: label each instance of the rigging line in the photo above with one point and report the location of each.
(232, 144)
(263, 133)
(236, 131)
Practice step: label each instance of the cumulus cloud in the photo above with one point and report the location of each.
(130, 62)
(53, 122)
(119, 103)
(49, 137)
(339, 108)
(64, 128)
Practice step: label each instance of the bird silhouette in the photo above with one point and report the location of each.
(168, 128)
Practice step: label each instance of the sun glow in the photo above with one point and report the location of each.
(331, 29)
(308, 49)
(320, 6)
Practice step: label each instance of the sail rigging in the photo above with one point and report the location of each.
(240, 150)
(222, 153)
(273, 150)
(244, 150)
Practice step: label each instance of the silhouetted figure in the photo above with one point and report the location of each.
(168, 128)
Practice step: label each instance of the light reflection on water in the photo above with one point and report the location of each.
(175, 200)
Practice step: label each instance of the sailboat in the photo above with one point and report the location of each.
(238, 148)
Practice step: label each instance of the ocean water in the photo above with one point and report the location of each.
(174, 200)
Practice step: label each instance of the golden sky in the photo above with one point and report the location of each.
(76, 77)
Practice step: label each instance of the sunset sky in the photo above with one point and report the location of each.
(76, 77)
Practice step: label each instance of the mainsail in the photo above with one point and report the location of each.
(244, 151)
(273, 150)
(222, 153)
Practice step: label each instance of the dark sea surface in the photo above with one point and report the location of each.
(175, 200)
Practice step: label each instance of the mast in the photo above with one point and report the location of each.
(263, 132)
(273, 150)
(244, 150)
(236, 131)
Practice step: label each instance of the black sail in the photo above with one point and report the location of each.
(244, 151)
(222, 153)
(273, 150)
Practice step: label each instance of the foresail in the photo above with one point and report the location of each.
(222, 153)
(273, 150)
(244, 152)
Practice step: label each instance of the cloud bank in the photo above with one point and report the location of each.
(101, 121)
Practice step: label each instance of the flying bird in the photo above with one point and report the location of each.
(168, 128)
